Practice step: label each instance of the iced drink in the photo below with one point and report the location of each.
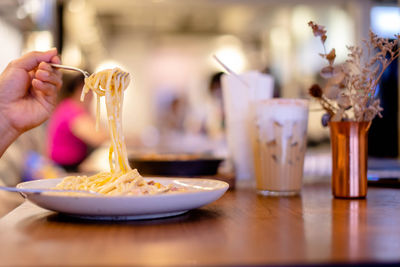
(279, 140)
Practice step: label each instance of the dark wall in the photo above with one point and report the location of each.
(383, 134)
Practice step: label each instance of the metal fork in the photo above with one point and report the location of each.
(84, 72)
(45, 190)
(120, 74)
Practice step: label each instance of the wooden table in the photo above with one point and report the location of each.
(239, 229)
(8, 201)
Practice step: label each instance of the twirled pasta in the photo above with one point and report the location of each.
(111, 83)
(121, 180)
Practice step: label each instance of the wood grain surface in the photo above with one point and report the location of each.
(9, 201)
(239, 229)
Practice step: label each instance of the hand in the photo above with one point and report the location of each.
(28, 91)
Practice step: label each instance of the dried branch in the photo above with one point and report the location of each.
(356, 80)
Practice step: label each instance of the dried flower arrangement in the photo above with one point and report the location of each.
(349, 90)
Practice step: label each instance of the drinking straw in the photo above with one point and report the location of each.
(231, 71)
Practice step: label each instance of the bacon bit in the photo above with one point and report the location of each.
(151, 183)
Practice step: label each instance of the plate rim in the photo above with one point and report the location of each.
(222, 186)
(129, 207)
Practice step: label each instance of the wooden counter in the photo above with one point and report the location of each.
(9, 201)
(239, 229)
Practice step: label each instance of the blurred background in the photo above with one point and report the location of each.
(167, 46)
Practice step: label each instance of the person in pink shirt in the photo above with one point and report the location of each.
(71, 129)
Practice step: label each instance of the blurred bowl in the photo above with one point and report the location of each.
(175, 165)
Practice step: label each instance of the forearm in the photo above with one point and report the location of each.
(7, 134)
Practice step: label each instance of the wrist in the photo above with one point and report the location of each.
(7, 132)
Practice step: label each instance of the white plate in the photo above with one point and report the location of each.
(200, 192)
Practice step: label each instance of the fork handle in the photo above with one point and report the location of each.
(85, 73)
(42, 190)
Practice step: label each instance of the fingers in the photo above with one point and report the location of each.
(47, 79)
(46, 73)
(56, 60)
(45, 87)
(47, 67)
(31, 60)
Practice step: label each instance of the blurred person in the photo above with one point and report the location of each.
(174, 123)
(71, 131)
(277, 87)
(28, 93)
(215, 119)
(171, 112)
(175, 115)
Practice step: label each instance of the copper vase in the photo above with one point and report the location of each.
(349, 142)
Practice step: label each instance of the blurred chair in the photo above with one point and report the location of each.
(12, 163)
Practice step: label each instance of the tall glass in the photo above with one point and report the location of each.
(279, 140)
(239, 95)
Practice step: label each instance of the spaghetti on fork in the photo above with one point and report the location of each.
(121, 180)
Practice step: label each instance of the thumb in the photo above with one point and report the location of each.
(32, 59)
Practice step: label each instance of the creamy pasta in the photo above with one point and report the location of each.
(121, 180)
